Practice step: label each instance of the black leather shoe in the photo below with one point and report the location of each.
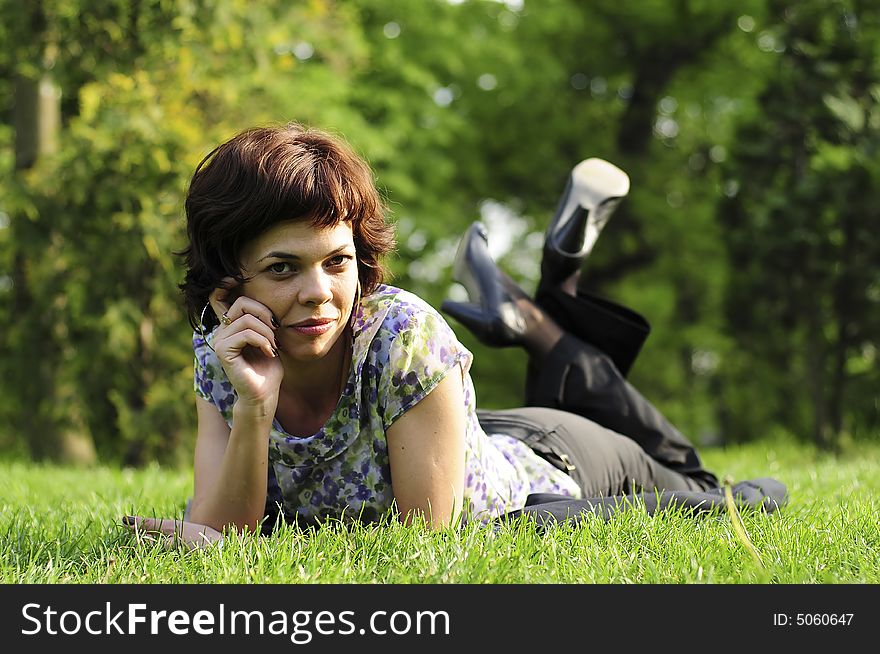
(492, 314)
(594, 189)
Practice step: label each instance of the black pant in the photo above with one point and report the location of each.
(583, 416)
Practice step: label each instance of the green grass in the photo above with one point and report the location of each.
(61, 525)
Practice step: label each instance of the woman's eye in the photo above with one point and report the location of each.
(338, 260)
(280, 267)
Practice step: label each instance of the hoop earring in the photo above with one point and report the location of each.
(354, 306)
(202, 326)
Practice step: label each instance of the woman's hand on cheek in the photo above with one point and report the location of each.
(245, 344)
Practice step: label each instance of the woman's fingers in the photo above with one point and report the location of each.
(173, 532)
(166, 526)
(245, 343)
(245, 305)
(226, 301)
(238, 340)
(244, 321)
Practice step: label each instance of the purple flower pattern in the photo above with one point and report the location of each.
(402, 349)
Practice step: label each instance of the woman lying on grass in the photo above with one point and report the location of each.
(323, 392)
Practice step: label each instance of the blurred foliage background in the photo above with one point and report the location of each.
(749, 239)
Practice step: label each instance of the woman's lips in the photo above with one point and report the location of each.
(313, 327)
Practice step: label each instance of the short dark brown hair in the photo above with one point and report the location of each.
(267, 175)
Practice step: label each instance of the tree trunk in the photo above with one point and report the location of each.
(37, 121)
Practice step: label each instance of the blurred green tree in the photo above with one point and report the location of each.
(95, 354)
(466, 110)
(801, 224)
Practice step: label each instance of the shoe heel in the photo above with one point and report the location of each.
(505, 330)
(469, 315)
(594, 189)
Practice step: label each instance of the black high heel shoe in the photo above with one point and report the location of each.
(492, 314)
(594, 189)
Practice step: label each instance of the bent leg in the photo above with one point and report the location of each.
(604, 462)
(579, 378)
(616, 330)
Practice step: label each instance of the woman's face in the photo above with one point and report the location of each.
(308, 278)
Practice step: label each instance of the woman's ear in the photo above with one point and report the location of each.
(223, 297)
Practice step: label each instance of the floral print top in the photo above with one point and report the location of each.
(402, 349)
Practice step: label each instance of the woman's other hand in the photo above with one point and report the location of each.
(172, 532)
(245, 344)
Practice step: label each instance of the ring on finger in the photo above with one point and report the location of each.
(225, 319)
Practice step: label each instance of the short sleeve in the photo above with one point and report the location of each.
(422, 351)
(202, 382)
(209, 379)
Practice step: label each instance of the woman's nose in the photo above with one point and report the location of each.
(316, 288)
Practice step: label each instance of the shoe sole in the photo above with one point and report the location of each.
(595, 186)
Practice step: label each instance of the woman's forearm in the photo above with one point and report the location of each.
(238, 498)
